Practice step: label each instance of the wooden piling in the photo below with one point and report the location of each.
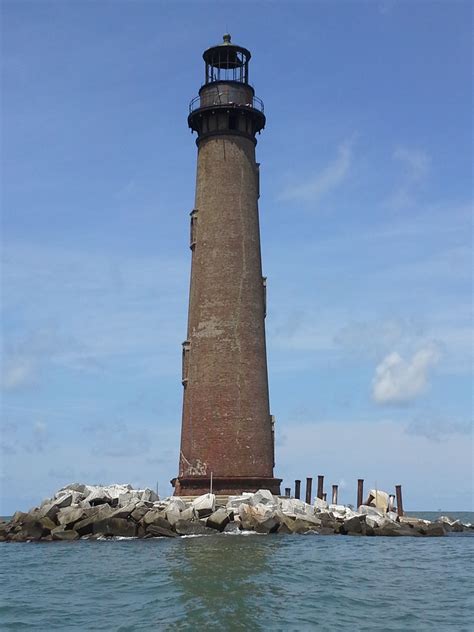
(360, 492)
(391, 502)
(320, 486)
(297, 489)
(325, 496)
(287, 492)
(309, 487)
(334, 494)
(398, 491)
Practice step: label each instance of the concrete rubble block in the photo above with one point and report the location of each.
(62, 498)
(327, 518)
(246, 516)
(204, 505)
(370, 511)
(70, 515)
(153, 515)
(378, 498)
(269, 525)
(173, 514)
(432, 529)
(49, 510)
(261, 518)
(115, 527)
(263, 497)
(48, 524)
(340, 512)
(60, 533)
(354, 525)
(232, 527)
(392, 515)
(123, 512)
(303, 524)
(456, 527)
(161, 532)
(158, 521)
(149, 495)
(99, 496)
(176, 502)
(412, 521)
(75, 487)
(114, 491)
(284, 529)
(327, 531)
(18, 517)
(451, 525)
(138, 513)
(293, 507)
(126, 498)
(218, 520)
(188, 514)
(33, 530)
(234, 502)
(77, 498)
(183, 527)
(95, 514)
(374, 521)
(320, 505)
(395, 529)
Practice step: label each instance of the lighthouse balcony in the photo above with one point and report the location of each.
(226, 111)
(213, 101)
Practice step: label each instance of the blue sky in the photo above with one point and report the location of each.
(366, 225)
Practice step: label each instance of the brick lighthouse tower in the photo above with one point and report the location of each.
(227, 430)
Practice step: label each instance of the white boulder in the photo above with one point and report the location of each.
(320, 505)
(378, 498)
(204, 505)
(263, 497)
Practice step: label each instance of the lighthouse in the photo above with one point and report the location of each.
(227, 432)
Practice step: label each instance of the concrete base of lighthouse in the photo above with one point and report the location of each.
(225, 486)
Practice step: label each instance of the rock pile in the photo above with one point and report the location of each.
(93, 512)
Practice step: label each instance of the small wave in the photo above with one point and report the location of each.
(196, 535)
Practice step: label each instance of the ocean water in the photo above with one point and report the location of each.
(240, 582)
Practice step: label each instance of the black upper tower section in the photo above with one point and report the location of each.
(226, 103)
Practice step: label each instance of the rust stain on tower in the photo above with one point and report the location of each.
(227, 429)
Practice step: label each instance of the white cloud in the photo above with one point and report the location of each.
(329, 178)
(397, 380)
(18, 372)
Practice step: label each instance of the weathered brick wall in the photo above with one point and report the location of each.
(226, 419)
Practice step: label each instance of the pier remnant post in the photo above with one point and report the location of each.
(360, 492)
(398, 491)
(287, 492)
(320, 486)
(297, 489)
(309, 487)
(334, 494)
(391, 502)
(325, 496)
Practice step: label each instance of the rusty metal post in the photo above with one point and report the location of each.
(309, 486)
(297, 489)
(360, 491)
(325, 497)
(320, 486)
(334, 494)
(287, 492)
(398, 491)
(391, 502)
